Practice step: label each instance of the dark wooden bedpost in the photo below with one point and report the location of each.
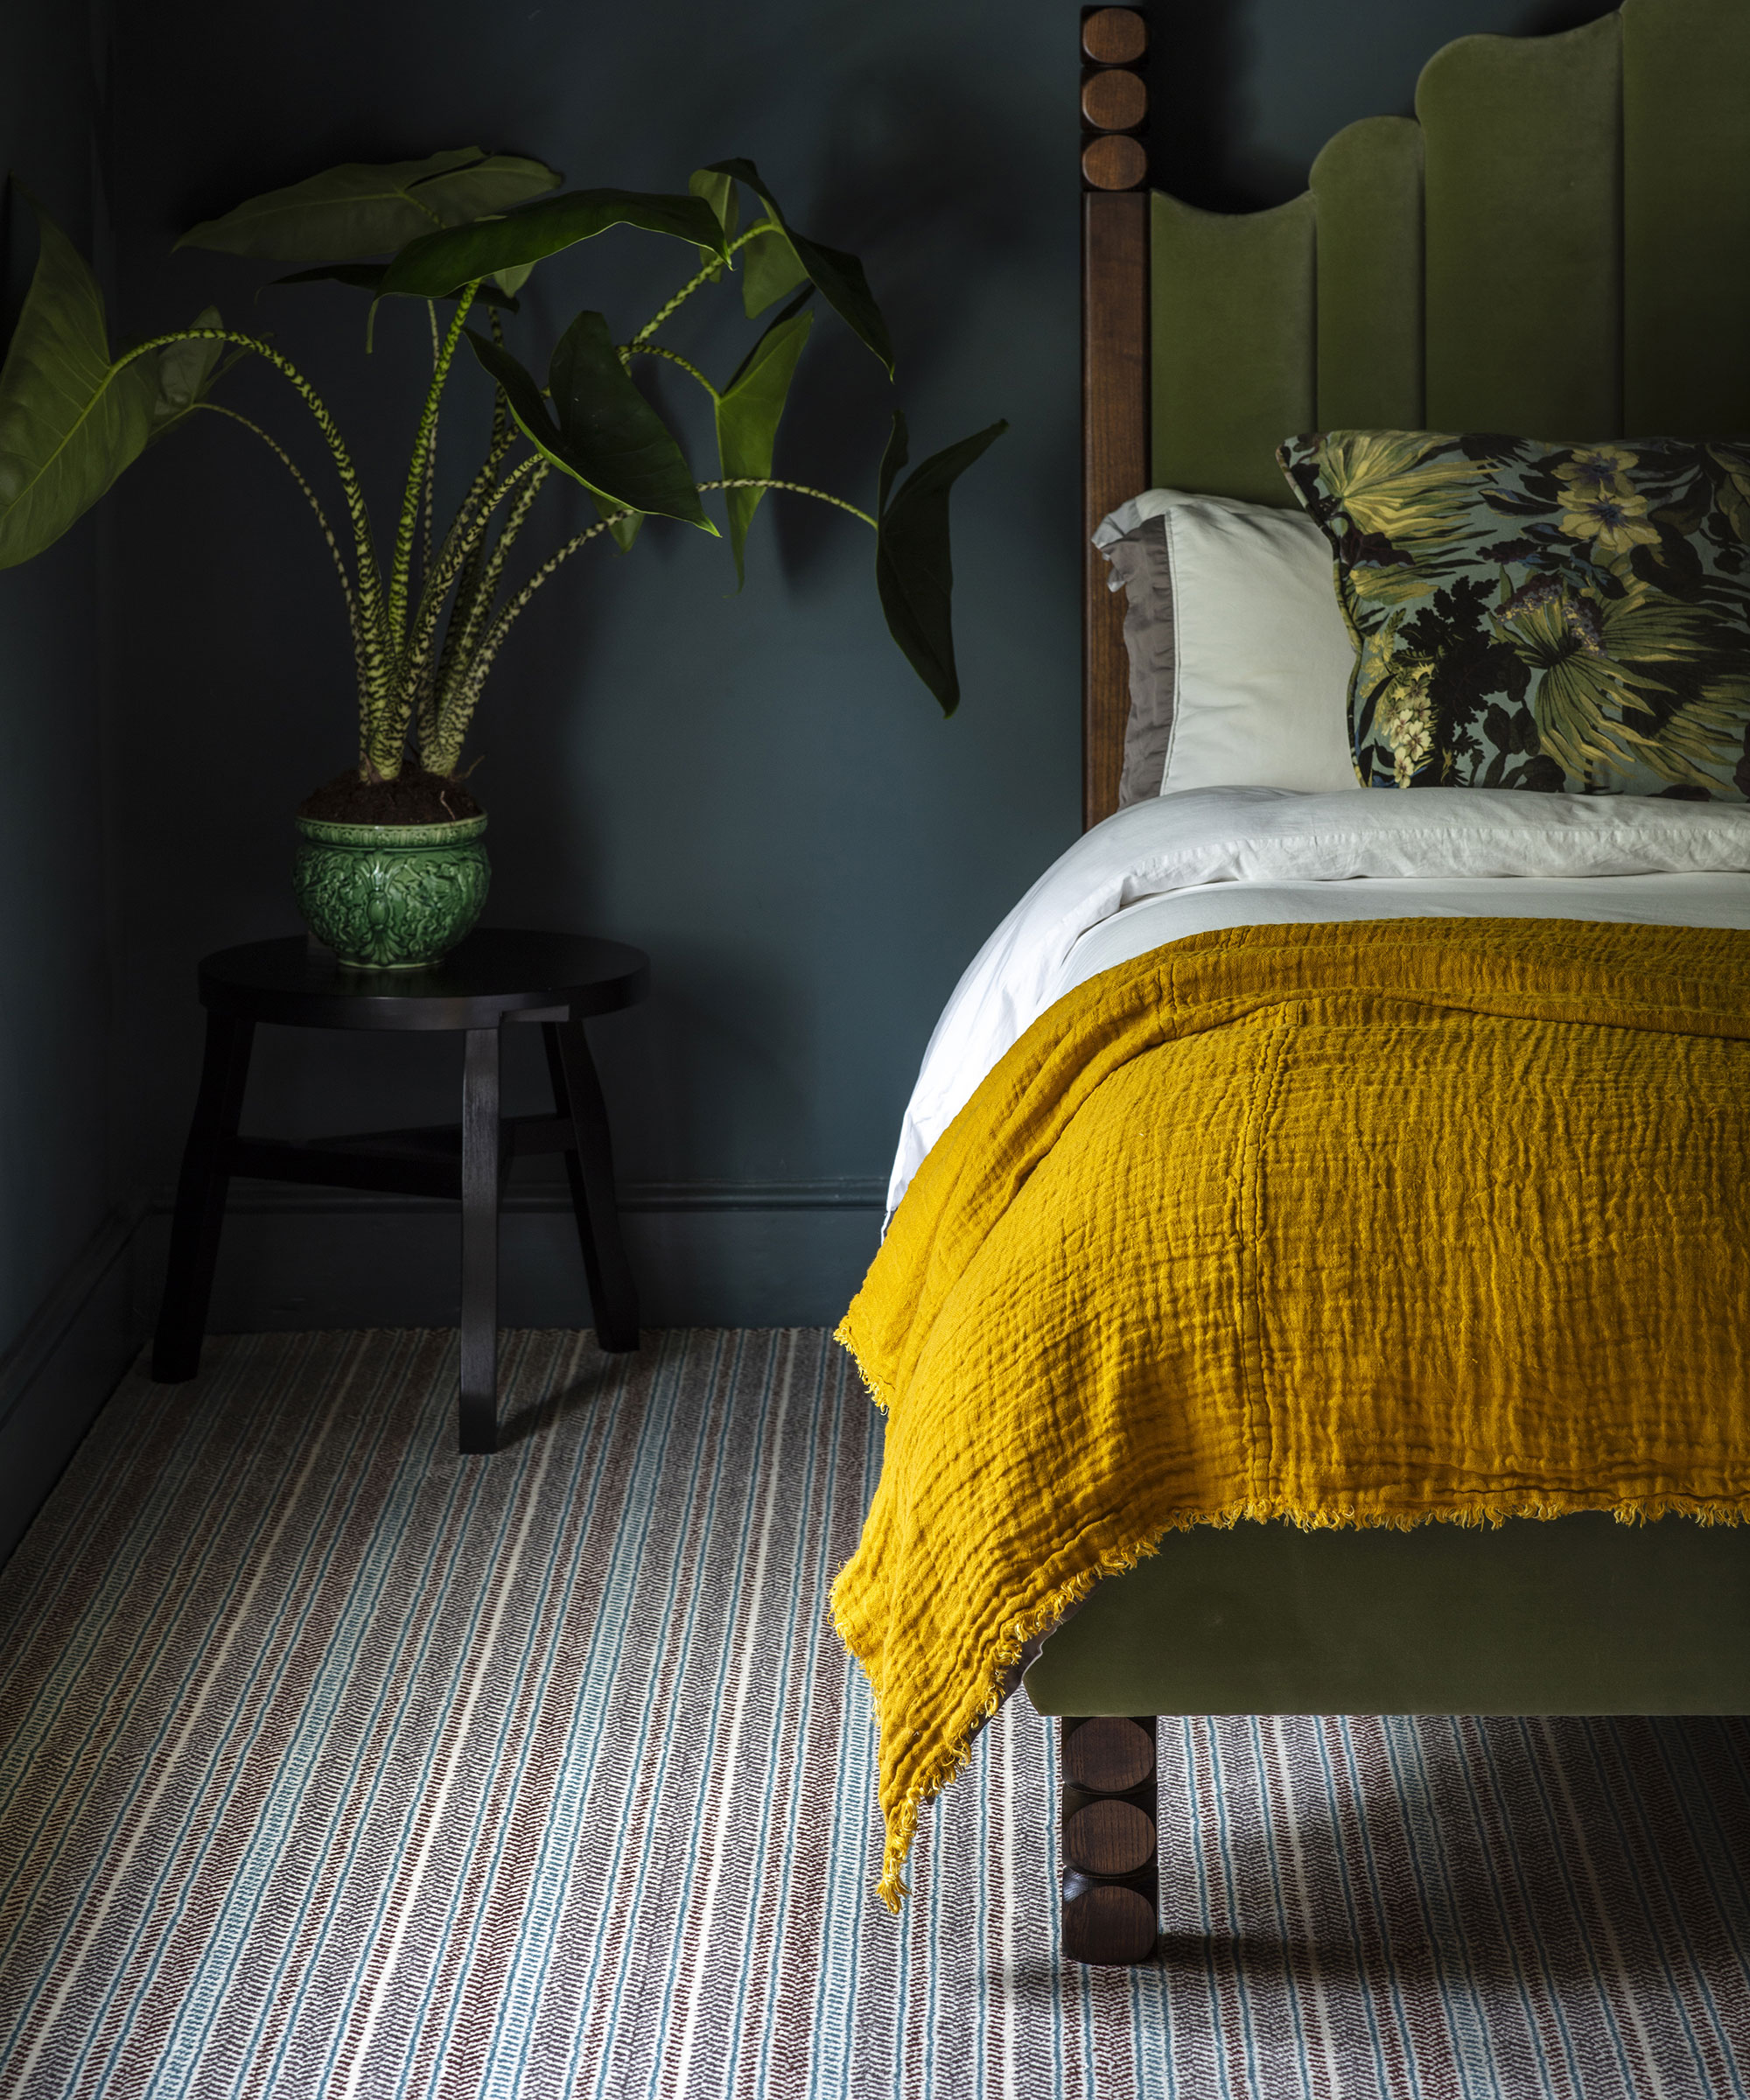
(1109, 1888)
(1111, 1882)
(1115, 451)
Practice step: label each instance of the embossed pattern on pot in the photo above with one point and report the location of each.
(391, 896)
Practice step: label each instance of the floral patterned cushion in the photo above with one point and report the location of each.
(1569, 617)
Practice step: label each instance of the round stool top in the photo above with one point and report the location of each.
(492, 973)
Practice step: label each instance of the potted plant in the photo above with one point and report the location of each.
(391, 867)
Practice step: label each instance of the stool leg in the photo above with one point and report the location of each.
(481, 1183)
(577, 1092)
(200, 1200)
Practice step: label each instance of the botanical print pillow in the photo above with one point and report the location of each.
(1570, 618)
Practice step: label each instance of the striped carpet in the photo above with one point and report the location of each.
(335, 1765)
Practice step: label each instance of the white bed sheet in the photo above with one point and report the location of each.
(1222, 857)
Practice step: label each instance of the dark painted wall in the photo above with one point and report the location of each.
(54, 1167)
(754, 788)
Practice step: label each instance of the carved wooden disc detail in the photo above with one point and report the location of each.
(1114, 1924)
(1114, 102)
(1109, 1754)
(1115, 36)
(1109, 1838)
(1114, 162)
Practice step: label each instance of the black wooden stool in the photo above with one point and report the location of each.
(491, 977)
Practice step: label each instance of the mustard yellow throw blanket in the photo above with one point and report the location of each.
(1359, 1224)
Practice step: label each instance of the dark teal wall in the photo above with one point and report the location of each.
(755, 788)
(54, 1169)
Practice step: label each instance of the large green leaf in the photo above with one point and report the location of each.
(607, 436)
(497, 183)
(913, 568)
(184, 371)
(368, 276)
(69, 422)
(359, 209)
(724, 199)
(748, 412)
(441, 263)
(770, 268)
(633, 456)
(839, 277)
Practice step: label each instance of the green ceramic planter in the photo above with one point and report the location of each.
(391, 896)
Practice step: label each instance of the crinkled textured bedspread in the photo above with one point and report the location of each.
(1355, 1224)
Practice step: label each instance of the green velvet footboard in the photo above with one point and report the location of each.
(1580, 1614)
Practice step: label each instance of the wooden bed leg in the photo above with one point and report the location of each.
(1110, 1874)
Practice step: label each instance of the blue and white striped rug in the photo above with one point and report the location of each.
(336, 1764)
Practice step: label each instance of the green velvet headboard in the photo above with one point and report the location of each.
(1557, 246)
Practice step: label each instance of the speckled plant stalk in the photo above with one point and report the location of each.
(409, 684)
(430, 612)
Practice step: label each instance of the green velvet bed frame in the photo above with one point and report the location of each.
(1558, 245)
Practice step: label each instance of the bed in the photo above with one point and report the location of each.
(1559, 243)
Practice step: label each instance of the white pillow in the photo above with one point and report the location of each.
(1262, 657)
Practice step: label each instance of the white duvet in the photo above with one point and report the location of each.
(1217, 857)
